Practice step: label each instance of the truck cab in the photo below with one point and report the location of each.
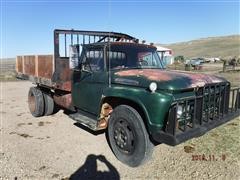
(98, 66)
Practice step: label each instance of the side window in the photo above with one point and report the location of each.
(93, 60)
(117, 59)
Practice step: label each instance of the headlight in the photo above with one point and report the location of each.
(179, 111)
(153, 87)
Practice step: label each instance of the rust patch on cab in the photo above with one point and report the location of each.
(202, 79)
(193, 79)
(151, 74)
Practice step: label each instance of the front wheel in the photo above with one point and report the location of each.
(128, 137)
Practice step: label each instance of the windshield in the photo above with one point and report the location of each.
(148, 60)
(130, 58)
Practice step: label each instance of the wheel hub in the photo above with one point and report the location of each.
(123, 136)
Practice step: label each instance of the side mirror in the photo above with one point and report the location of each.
(73, 56)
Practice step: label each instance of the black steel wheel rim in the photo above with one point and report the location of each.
(123, 136)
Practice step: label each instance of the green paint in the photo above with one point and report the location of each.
(90, 88)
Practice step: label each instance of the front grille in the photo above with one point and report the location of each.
(211, 103)
(215, 101)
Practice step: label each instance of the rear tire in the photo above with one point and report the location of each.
(128, 137)
(36, 102)
(50, 106)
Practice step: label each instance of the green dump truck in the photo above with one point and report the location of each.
(109, 81)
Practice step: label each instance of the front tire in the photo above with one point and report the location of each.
(128, 137)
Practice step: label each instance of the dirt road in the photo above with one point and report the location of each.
(54, 148)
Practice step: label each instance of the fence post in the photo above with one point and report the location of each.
(224, 65)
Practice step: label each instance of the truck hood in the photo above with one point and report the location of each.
(165, 79)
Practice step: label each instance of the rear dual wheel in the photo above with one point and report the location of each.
(50, 106)
(36, 102)
(41, 103)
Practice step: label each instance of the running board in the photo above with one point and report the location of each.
(85, 119)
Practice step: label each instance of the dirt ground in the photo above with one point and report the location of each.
(55, 147)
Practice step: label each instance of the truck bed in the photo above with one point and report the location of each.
(40, 69)
(36, 68)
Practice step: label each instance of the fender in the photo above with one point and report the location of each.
(154, 105)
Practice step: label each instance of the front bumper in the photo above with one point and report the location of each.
(201, 114)
(172, 140)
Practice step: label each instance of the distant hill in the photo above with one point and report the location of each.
(7, 59)
(223, 46)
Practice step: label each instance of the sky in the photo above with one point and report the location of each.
(27, 25)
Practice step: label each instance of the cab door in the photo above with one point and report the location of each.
(90, 81)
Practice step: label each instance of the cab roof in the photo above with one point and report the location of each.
(119, 43)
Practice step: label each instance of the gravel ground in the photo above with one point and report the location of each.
(55, 148)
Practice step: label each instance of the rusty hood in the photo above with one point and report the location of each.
(165, 79)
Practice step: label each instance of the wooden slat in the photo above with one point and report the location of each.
(29, 65)
(45, 66)
(19, 64)
(36, 66)
(23, 71)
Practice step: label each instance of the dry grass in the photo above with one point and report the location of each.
(220, 141)
(225, 46)
(233, 77)
(7, 70)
